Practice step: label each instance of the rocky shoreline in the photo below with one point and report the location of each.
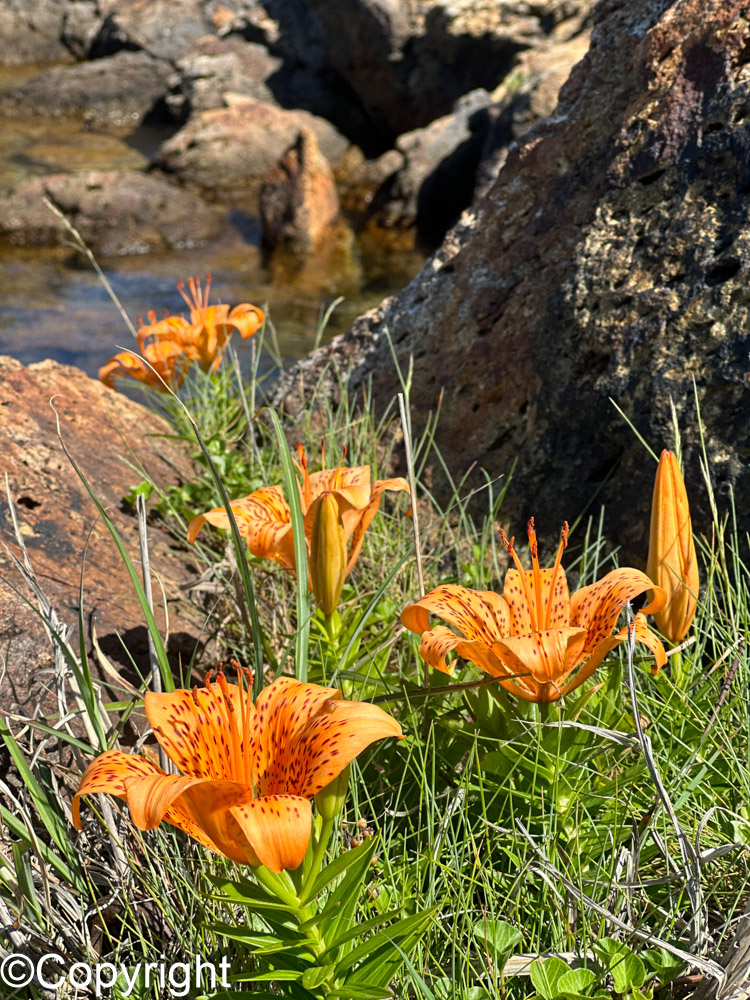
(413, 104)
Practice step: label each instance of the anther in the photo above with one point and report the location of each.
(194, 693)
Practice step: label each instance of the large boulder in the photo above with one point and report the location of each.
(116, 212)
(227, 152)
(118, 91)
(105, 432)
(608, 261)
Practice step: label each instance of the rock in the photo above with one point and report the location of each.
(117, 91)
(436, 180)
(226, 153)
(56, 515)
(407, 63)
(215, 67)
(115, 213)
(31, 32)
(165, 28)
(81, 27)
(609, 260)
(361, 179)
(298, 200)
(529, 93)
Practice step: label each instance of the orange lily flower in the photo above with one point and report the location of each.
(538, 641)
(248, 771)
(162, 361)
(265, 521)
(204, 339)
(173, 344)
(671, 552)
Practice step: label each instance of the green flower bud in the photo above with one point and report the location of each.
(330, 800)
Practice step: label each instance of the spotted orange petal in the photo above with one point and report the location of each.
(549, 656)
(479, 615)
(246, 319)
(110, 773)
(352, 483)
(357, 526)
(597, 607)
(278, 829)
(332, 739)
(202, 735)
(439, 641)
(518, 599)
(284, 709)
(263, 519)
(643, 634)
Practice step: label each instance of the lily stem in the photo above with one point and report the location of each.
(276, 886)
(319, 852)
(676, 665)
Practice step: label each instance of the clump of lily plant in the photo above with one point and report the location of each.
(169, 347)
(338, 505)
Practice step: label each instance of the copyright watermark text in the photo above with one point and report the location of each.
(51, 972)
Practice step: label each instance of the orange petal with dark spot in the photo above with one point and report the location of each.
(278, 828)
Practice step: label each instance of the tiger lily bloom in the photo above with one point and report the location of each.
(248, 771)
(172, 345)
(204, 339)
(537, 640)
(672, 562)
(265, 521)
(161, 361)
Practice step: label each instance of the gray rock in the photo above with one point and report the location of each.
(165, 28)
(608, 261)
(116, 213)
(31, 32)
(215, 67)
(440, 162)
(117, 91)
(82, 24)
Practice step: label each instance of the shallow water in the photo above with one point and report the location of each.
(52, 305)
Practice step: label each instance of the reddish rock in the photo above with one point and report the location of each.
(226, 153)
(298, 200)
(609, 260)
(104, 431)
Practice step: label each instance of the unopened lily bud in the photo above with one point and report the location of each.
(330, 800)
(672, 563)
(327, 554)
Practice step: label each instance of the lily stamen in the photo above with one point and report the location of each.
(522, 573)
(555, 569)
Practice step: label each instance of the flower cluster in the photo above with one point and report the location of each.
(249, 771)
(168, 348)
